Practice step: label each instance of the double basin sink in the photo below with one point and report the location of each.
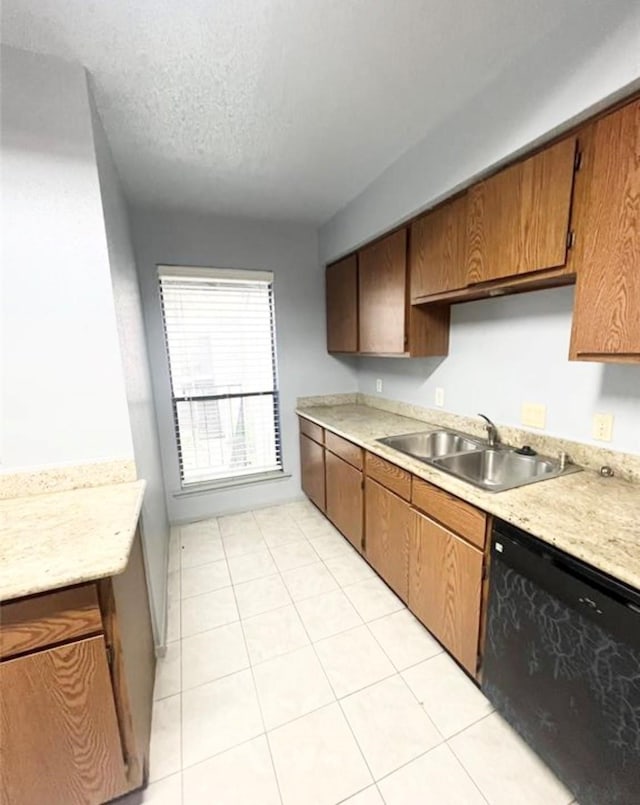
(493, 468)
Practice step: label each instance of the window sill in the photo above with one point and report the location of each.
(231, 483)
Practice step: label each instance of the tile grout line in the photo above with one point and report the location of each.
(253, 678)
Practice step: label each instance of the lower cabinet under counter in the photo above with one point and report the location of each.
(77, 667)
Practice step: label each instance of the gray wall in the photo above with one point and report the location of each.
(154, 522)
(63, 395)
(290, 251)
(510, 350)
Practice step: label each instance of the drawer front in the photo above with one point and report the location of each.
(389, 475)
(346, 450)
(44, 620)
(461, 517)
(311, 430)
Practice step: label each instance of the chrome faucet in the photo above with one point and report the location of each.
(492, 431)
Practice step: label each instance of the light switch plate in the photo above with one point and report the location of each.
(439, 397)
(379, 385)
(602, 427)
(534, 415)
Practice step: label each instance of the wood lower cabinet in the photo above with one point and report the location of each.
(518, 219)
(77, 667)
(445, 581)
(606, 316)
(312, 470)
(342, 305)
(344, 498)
(388, 521)
(61, 739)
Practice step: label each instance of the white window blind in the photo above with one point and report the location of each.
(220, 336)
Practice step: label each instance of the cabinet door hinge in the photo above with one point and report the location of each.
(109, 651)
(571, 239)
(577, 162)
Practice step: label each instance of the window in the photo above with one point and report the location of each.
(220, 335)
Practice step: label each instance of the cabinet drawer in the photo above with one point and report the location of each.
(389, 475)
(461, 517)
(346, 450)
(311, 430)
(44, 620)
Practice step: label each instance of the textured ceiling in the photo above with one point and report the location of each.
(277, 108)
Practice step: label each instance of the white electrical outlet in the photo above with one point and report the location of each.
(602, 427)
(439, 397)
(379, 385)
(534, 414)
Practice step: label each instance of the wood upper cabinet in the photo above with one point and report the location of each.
(445, 581)
(388, 323)
(606, 318)
(518, 220)
(61, 738)
(344, 498)
(312, 470)
(342, 305)
(437, 256)
(388, 519)
(382, 284)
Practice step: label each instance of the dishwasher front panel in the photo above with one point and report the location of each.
(570, 687)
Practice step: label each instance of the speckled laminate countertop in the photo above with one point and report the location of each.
(55, 540)
(592, 518)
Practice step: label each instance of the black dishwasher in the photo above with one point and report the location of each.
(562, 665)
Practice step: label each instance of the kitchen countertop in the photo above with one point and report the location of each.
(592, 518)
(55, 540)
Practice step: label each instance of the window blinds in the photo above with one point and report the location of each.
(220, 337)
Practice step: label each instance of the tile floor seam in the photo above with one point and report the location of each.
(344, 716)
(255, 688)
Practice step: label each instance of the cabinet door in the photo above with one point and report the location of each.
(62, 743)
(606, 318)
(518, 220)
(388, 520)
(342, 305)
(312, 470)
(437, 250)
(382, 282)
(344, 498)
(445, 579)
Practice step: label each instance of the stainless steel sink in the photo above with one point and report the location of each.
(499, 469)
(493, 468)
(431, 445)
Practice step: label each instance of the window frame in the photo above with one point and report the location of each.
(208, 273)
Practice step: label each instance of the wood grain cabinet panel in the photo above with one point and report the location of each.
(518, 219)
(342, 305)
(61, 742)
(312, 470)
(460, 516)
(437, 256)
(39, 621)
(344, 498)
(388, 520)
(394, 478)
(311, 430)
(606, 317)
(347, 450)
(445, 580)
(382, 283)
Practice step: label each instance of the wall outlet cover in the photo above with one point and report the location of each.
(534, 415)
(602, 428)
(379, 385)
(439, 397)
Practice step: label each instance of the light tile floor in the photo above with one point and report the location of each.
(294, 676)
